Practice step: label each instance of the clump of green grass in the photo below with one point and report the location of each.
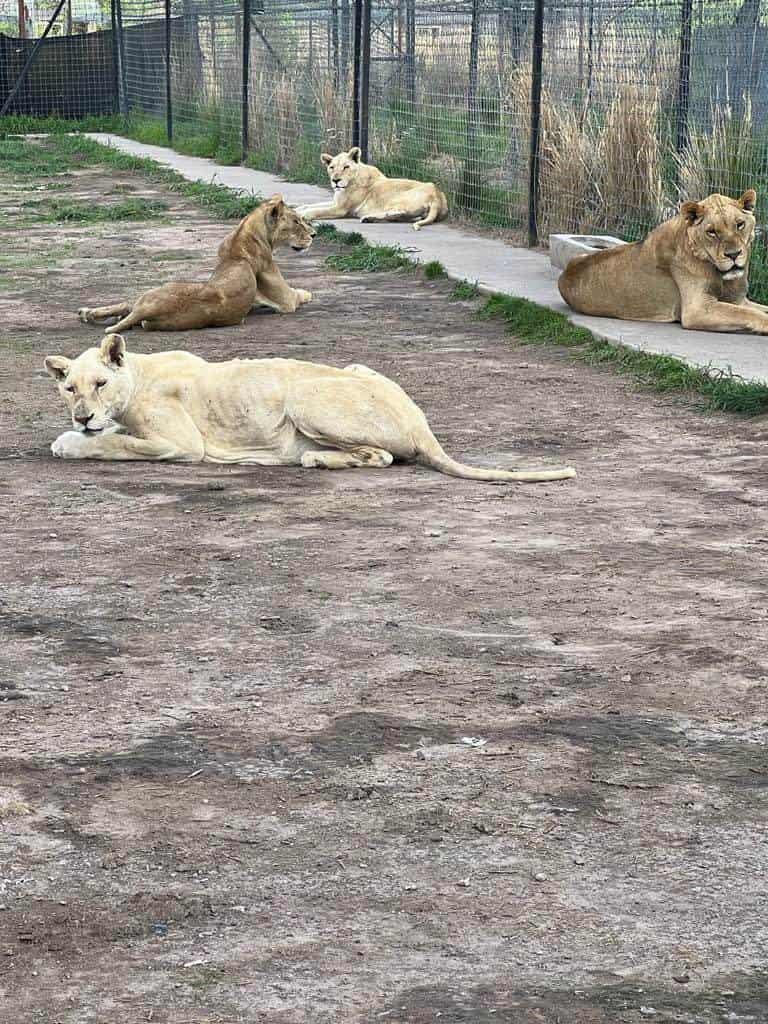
(464, 291)
(328, 231)
(22, 159)
(433, 270)
(71, 212)
(532, 323)
(23, 124)
(366, 258)
(218, 140)
(723, 390)
(221, 201)
(351, 238)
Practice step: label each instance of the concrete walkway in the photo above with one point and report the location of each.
(494, 265)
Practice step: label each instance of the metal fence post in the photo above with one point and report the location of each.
(410, 54)
(533, 179)
(335, 58)
(365, 76)
(246, 75)
(124, 103)
(684, 74)
(356, 62)
(168, 97)
(115, 54)
(471, 177)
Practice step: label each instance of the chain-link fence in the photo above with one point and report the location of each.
(621, 107)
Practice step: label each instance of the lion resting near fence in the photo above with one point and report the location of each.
(265, 412)
(246, 275)
(693, 269)
(361, 190)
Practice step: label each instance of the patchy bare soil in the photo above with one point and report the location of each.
(235, 701)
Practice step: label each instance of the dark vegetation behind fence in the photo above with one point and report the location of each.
(627, 105)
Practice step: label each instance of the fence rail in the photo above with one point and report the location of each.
(533, 115)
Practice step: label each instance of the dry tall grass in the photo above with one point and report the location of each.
(599, 169)
(333, 106)
(286, 115)
(722, 159)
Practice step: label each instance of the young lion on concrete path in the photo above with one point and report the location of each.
(361, 190)
(245, 276)
(265, 412)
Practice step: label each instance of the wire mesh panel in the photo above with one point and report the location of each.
(725, 146)
(645, 104)
(609, 109)
(143, 39)
(73, 76)
(206, 75)
(450, 100)
(300, 97)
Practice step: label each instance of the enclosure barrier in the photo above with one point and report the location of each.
(532, 115)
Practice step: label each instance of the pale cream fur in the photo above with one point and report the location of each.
(267, 412)
(361, 190)
(693, 268)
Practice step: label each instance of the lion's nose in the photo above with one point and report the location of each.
(733, 253)
(84, 418)
(336, 181)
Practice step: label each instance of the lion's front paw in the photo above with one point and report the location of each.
(82, 314)
(70, 445)
(303, 296)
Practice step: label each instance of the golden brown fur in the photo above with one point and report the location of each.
(246, 275)
(361, 190)
(693, 268)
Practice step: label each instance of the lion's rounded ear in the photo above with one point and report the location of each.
(356, 153)
(112, 350)
(326, 158)
(691, 211)
(748, 200)
(276, 206)
(57, 366)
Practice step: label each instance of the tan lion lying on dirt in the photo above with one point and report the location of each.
(266, 412)
(693, 268)
(245, 276)
(361, 190)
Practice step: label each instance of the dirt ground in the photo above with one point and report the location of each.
(375, 746)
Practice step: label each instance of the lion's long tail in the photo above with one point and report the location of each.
(434, 211)
(429, 452)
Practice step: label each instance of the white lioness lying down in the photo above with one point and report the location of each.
(265, 412)
(361, 190)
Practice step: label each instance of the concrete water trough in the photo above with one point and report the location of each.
(563, 248)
